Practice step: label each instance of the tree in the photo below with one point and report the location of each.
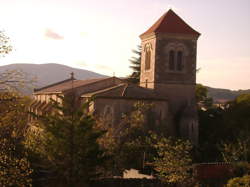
(13, 113)
(129, 143)
(202, 98)
(212, 131)
(236, 151)
(173, 163)
(5, 46)
(12, 80)
(15, 80)
(135, 66)
(239, 181)
(67, 140)
(237, 117)
(238, 154)
(227, 126)
(15, 167)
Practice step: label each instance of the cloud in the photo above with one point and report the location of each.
(81, 63)
(102, 67)
(49, 33)
(95, 66)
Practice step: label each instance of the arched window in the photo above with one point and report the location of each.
(147, 57)
(171, 60)
(108, 115)
(179, 61)
(175, 56)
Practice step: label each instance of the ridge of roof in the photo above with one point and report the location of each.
(170, 22)
(126, 90)
(53, 84)
(65, 86)
(89, 94)
(86, 82)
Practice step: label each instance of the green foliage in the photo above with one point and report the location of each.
(241, 168)
(15, 168)
(241, 173)
(237, 117)
(130, 143)
(201, 93)
(13, 113)
(67, 140)
(12, 80)
(235, 152)
(239, 181)
(225, 94)
(135, 140)
(229, 124)
(135, 66)
(174, 160)
(5, 46)
(16, 81)
(211, 133)
(243, 99)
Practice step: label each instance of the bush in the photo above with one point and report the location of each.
(239, 181)
(14, 170)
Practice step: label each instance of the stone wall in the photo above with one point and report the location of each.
(163, 74)
(120, 106)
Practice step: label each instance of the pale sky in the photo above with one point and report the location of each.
(98, 35)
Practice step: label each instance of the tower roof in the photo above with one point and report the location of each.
(170, 22)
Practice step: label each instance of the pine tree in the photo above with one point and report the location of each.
(135, 66)
(67, 140)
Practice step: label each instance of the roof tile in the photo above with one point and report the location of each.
(67, 85)
(125, 90)
(170, 22)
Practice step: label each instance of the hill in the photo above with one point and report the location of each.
(222, 95)
(45, 74)
(50, 73)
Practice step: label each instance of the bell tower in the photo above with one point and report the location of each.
(168, 64)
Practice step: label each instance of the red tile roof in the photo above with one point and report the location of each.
(54, 84)
(170, 22)
(66, 85)
(126, 91)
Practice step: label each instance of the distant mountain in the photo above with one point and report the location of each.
(50, 73)
(222, 95)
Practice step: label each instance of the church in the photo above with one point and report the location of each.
(167, 81)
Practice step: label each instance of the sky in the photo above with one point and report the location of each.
(98, 35)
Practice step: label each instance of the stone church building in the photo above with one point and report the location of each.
(167, 80)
